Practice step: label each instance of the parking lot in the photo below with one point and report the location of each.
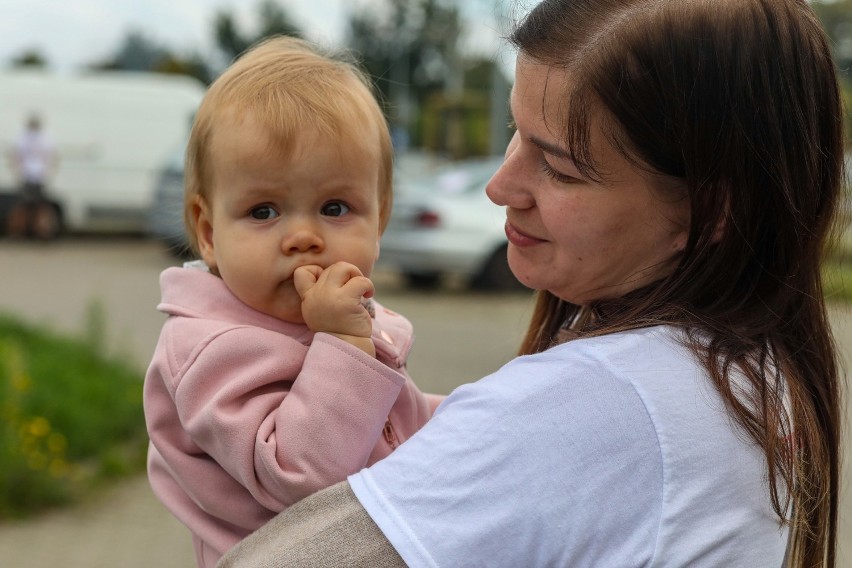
(58, 284)
(460, 336)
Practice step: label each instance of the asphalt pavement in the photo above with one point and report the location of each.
(124, 526)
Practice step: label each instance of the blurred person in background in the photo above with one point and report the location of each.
(669, 191)
(34, 162)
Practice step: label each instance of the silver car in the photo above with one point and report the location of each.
(165, 218)
(442, 223)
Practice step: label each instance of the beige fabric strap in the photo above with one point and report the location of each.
(328, 529)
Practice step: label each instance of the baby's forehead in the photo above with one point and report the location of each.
(249, 143)
(293, 134)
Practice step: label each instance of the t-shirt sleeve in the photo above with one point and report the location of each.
(544, 463)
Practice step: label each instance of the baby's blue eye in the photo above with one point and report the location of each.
(263, 213)
(334, 209)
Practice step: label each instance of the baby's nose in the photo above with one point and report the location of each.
(300, 241)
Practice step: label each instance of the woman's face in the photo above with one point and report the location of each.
(576, 238)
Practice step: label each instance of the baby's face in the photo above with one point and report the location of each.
(266, 216)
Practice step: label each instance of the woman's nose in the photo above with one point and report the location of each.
(508, 186)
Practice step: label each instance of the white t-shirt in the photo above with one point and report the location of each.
(34, 152)
(609, 452)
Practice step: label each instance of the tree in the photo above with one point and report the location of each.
(274, 20)
(436, 97)
(836, 18)
(137, 52)
(192, 65)
(228, 38)
(32, 58)
(410, 47)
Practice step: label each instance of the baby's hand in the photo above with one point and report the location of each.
(332, 302)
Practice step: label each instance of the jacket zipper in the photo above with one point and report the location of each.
(390, 436)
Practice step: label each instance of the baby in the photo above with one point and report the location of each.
(275, 374)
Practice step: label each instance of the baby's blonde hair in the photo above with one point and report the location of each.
(291, 85)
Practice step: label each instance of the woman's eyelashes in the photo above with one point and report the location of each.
(545, 166)
(557, 175)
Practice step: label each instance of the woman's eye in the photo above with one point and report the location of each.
(263, 213)
(334, 209)
(558, 176)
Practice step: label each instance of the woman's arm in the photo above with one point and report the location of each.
(326, 530)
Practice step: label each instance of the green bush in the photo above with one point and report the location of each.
(69, 418)
(838, 281)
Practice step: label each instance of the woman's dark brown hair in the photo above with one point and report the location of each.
(736, 103)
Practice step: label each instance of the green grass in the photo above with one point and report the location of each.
(837, 270)
(838, 281)
(69, 418)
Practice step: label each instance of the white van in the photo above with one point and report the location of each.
(113, 131)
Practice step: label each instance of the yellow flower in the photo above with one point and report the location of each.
(56, 443)
(39, 426)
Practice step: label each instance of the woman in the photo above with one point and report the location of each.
(669, 192)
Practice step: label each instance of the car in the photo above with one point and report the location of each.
(443, 223)
(164, 221)
(111, 129)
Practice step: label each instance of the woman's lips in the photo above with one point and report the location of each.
(518, 238)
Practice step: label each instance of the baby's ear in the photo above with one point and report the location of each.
(202, 216)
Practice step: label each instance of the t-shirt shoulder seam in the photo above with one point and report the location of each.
(612, 372)
(663, 464)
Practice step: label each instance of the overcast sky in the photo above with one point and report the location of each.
(71, 34)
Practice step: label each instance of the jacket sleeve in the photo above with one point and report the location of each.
(285, 427)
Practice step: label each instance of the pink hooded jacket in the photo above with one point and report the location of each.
(248, 414)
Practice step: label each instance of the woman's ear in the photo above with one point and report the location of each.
(719, 230)
(679, 242)
(202, 216)
(680, 238)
